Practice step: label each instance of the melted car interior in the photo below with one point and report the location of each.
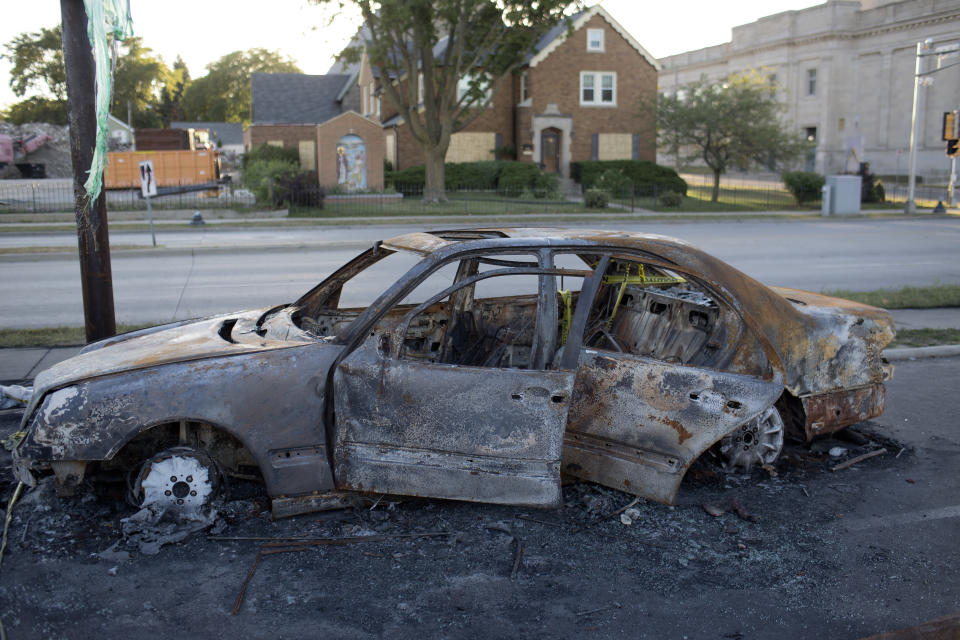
(640, 309)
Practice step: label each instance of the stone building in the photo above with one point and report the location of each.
(845, 71)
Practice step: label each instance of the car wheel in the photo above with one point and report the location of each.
(754, 443)
(181, 481)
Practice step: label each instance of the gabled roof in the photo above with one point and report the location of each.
(295, 98)
(222, 132)
(558, 35)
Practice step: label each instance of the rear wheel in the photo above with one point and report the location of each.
(754, 443)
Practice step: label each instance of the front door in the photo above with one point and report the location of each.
(459, 397)
(550, 150)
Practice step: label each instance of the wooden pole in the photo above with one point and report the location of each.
(96, 277)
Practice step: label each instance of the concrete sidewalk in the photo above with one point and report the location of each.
(21, 365)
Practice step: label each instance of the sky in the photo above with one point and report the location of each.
(201, 31)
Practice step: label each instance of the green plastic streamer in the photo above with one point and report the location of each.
(104, 17)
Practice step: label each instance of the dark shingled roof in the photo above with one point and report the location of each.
(295, 98)
(223, 132)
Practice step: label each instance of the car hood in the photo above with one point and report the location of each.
(224, 335)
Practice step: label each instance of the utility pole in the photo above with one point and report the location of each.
(911, 206)
(96, 278)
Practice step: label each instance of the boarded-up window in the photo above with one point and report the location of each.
(275, 143)
(391, 150)
(308, 155)
(615, 146)
(471, 147)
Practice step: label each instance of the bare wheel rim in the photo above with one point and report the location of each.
(754, 443)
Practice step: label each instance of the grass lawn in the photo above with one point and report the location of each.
(457, 204)
(925, 337)
(53, 336)
(938, 295)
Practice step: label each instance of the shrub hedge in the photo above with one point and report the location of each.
(805, 186)
(506, 176)
(647, 177)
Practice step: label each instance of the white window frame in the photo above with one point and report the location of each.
(595, 34)
(598, 100)
(463, 85)
(524, 93)
(419, 87)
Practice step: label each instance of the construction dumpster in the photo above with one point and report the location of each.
(171, 168)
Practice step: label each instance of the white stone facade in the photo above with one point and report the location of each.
(845, 73)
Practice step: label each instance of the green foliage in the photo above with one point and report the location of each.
(267, 152)
(472, 175)
(505, 152)
(37, 63)
(223, 95)
(646, 177)
(614, 182)
(36, 109)
(805, 186)
(908, 297)
(509, 177)
(671, 199)
(733, 122)
(262, 176)
(596, 199)
(38, 69)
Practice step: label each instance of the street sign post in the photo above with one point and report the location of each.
(148, 187)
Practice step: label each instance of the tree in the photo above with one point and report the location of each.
(223, 95)
(38, 69)
(449, 58)
(171, 96)
(732, 122)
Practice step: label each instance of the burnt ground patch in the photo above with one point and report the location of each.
(775, 558)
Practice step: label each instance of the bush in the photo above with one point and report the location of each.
(507, 177)
(300, 189)
(805, 186)
(671, 199)
(614, 183)
(471, 175)
(261, 176)
(266, 152)
(516, 176)
(596, 199)
(647, 177)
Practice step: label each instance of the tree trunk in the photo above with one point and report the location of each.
(716, 186)
(434, 189)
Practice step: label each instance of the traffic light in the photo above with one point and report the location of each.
(952, 147)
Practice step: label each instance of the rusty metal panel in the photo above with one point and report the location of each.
(828, 412)
(636, 424)
(467, 433)
(272, 401)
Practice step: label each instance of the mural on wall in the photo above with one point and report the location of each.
(352, 163)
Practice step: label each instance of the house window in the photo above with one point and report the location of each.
(811, 133)
(524, 94)
(595, 40)
(811, 82)
(598, 88)
(463, 86)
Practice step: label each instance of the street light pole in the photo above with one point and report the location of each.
(911, 206)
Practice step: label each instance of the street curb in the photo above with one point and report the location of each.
(914, 353)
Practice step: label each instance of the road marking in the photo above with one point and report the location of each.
(904, 519)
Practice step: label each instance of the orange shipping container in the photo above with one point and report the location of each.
(171, 168)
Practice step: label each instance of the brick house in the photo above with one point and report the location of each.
(576, 98)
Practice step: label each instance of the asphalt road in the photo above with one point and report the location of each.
(202, 272)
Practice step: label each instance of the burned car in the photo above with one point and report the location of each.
(489, 363)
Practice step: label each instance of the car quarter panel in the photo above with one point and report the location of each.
(636, 424)
(272, 401)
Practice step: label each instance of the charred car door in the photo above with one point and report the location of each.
(668, 368)
(457, 397)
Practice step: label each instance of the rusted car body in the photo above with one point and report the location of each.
(501, 359)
